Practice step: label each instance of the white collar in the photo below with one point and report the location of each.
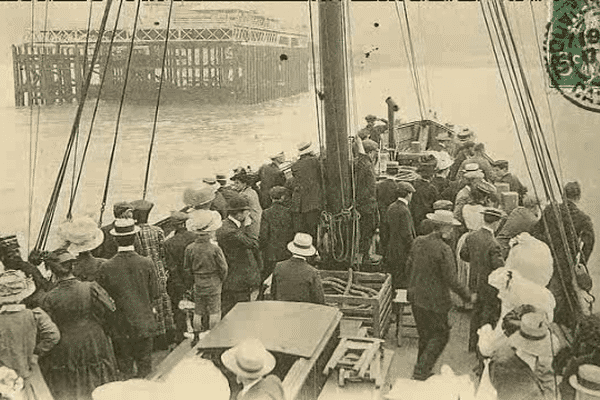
(12, 308)
(298, 256)
(248, 387)
(488, 228)
(235, 221)
(126, 248)
(402, 199)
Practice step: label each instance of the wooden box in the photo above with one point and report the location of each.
(374, 311)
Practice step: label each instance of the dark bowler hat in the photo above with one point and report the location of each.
(494, 212)
(122, 206)
(238, 203)
(124, 227)
(142, 205)
(501, 164)
(406, 186)
(277, 192)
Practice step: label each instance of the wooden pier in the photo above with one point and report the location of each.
(213, 56)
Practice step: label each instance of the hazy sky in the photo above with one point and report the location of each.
(445, 33)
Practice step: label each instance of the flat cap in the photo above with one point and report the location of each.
(406, 186)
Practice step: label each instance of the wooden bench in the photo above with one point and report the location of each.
(402, 309)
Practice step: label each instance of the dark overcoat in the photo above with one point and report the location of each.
(422, 201)
(270, 176)
(131, 281)
(276, 231)
(240, 248)
(109, 246)
(307, 192)
(397, 235)
(365, 184)
(175, 255)
(387, 193)
(297, 280)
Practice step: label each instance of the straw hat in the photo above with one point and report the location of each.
(444, 163)
(470, 167)
(494, 212)
(443, 205)
(124, 227)
(304, 148)
(82, 234)
(533, 337)
(302, 245)
(277, 155)
(204, 221)
(443, 217)
(474, 175)
(249, 359)
(587, 380)
(15, 286)
(198, 197)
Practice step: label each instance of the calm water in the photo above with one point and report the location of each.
(193, 142)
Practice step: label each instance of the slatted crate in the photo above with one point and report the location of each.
(375, 311)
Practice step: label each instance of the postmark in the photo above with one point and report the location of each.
(572, 52)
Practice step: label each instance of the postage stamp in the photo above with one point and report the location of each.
(572, 47)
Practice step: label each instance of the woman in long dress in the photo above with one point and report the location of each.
(84, 358)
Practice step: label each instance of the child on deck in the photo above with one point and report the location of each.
(205, 262)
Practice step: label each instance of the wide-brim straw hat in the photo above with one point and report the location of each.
(587, 380)
(204, 221)
(249, 359)
(124, 227)
(443, 217)
(82, 234)
(474, 175)
(15, 286)
(405, 175)
(302, 245)
(198, 197)
(533, 336)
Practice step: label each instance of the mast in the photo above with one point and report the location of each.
(332, 44)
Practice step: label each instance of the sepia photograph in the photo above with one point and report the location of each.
(299, 200)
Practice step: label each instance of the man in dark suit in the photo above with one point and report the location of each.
(251, 362)
(579, 230)
(307, 195)
(432, 275)
(365, 190)
(276, 231)
(175, 253)
(131, 281)
(425, 194)
(109, 246)
(484, 254)
(397, 235)
(295, 279)
(270, 176)
(240, 247)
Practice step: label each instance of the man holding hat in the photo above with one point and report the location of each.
(397, 235)
(251, 364)
(432, 272)
(484, 254)
(240, 247)
(307, 190)
(295, 279)
(131, 281)
(205, 263)
(270, 175)
(109, 246)
(152, 240)
(371, 131)
(174, 255)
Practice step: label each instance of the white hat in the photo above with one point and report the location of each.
(249, 359)
(587, 380)
(124, 227)
(302, 245)
(532, 336)
(204, 221)
(83, 234)
(444, 217)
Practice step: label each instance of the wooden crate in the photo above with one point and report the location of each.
(375, 312)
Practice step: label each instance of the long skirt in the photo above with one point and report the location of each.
(463, 273)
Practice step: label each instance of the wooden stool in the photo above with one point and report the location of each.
(400, 304)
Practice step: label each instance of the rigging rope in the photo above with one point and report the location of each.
(116, 135)
(96, 106)
(160, 85)
(48, 217)
(508, 48)
(411, 65)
